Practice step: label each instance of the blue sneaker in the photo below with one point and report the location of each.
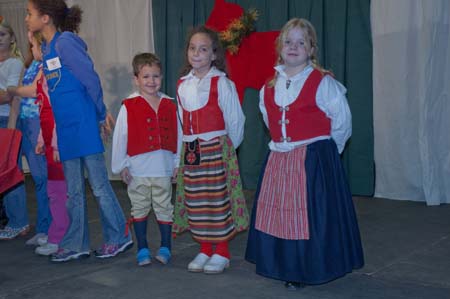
(64, 255)
(163, 255)
(110, 250)
(9, 233)
(143, 257)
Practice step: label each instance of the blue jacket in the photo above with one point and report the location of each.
(75, 94)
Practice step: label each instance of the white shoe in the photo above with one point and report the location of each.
(47, 249)
(198, 263)
(216, 264)
(42, 240)
(35, 240)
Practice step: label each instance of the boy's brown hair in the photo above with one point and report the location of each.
(143, 59)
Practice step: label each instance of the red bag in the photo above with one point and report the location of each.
(10, 173)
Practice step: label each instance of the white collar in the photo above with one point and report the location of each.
(281, 67)
(213, 72)
(137, 94)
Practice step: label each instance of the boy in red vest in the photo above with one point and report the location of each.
(146, 147)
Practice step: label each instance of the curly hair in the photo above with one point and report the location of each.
(63, 17)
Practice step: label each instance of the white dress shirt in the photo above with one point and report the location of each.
(10, 72)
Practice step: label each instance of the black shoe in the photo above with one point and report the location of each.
(3, 220)
(3, 217)
(293, 286)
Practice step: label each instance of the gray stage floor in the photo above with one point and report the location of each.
(406, 244)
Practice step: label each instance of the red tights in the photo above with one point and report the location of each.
(221, 249)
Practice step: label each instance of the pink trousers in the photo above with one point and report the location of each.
(57, 193)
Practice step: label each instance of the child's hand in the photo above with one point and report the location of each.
(174, 175)
(31, 37)
(40, 149)
(5, 97)
(126, 176)
(107, 126)
(56, 156)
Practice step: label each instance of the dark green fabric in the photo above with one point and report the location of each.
(345, 48)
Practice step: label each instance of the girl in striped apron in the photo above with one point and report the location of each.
(210, 202)
(304, 228)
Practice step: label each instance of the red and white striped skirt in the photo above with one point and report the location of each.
(282, 203)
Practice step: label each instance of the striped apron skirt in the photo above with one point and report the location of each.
(282, 203)
(206, 196)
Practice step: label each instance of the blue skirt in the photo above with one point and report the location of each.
(334, 247)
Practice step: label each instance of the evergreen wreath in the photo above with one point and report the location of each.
(237, 30)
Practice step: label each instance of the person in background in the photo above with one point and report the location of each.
(46, 146)
(29, 124)
(13, 201)
(80, 114)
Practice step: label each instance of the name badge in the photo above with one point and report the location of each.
(53, 64)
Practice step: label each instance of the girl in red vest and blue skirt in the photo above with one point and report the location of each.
(146, 153)
(304, 228)
(209, 202)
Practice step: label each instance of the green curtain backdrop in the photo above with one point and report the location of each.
(345, 48)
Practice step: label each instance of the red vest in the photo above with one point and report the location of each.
(206, 119)
(54, 169)
(150, 131)
(303, 119)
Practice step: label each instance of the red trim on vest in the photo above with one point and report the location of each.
(149, 130)
(303, 119)
(138, 219)
(164, 222)
(206, 119)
